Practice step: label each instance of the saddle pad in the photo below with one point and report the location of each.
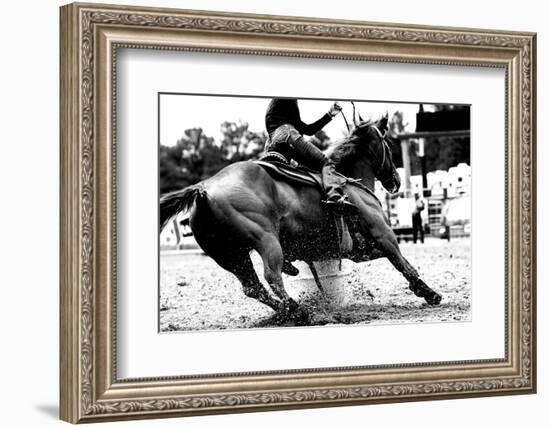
(290, 173)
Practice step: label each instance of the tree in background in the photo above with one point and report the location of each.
(196, 156)
(239, 143)
(441, 153)
(445, 152)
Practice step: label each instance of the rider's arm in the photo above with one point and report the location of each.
(313, 128)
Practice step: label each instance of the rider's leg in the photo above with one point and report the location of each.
(333, 183)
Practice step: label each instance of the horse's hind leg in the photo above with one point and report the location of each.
(241, 267)
(270, 250)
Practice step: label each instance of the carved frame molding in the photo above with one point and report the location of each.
(90, 35)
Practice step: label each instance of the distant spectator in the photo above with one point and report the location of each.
(417, 218)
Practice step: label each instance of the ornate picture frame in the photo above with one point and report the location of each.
(90, 37)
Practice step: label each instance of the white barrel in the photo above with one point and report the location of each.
(302, 288)
(334, 281)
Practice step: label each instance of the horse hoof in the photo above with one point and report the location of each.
(433, 299)
(291, 306)
(422, 290)
(301, 317)
(297, 314)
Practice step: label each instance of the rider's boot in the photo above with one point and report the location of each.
(335, 198)
(333, 183)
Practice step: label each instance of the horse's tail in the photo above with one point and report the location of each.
(179, 201)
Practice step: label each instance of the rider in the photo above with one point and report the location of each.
(285, 129)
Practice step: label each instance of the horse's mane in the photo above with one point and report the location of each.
(346, 150)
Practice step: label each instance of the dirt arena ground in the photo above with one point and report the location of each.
(196, 294)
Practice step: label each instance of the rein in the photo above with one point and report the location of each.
(345, 120)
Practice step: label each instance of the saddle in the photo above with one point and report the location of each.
(279, 168)
(289, 173)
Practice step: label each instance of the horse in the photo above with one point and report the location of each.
(243, 208)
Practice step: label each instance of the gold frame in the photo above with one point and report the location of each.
(90, 34)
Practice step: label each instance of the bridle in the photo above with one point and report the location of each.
(383, 142)
(385, 147)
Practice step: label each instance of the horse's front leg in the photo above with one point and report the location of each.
(389, 246)
(375, 226)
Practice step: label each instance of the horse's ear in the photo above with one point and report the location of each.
(382, 124)
(354, 120)
(360, 118)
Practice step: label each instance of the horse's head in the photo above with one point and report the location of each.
(369, 139)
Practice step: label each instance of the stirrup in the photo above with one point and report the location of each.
(341, 206)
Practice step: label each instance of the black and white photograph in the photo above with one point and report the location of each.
(290, 212)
